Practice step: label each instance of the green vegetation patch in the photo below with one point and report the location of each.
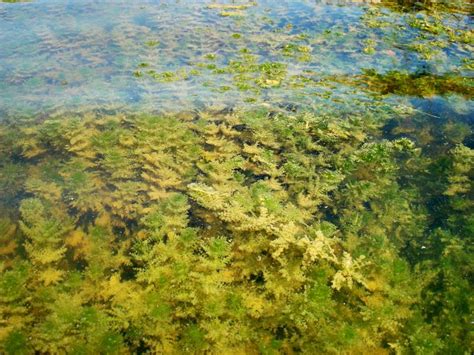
(236, 233)
(421, 85)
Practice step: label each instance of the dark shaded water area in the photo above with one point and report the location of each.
(236, 177)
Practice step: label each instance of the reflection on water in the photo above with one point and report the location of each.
(235, 178)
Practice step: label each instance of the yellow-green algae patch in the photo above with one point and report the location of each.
(240, 232)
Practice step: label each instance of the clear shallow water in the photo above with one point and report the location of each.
(67, 55)
(306, 188)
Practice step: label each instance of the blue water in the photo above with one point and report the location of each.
(61, 55)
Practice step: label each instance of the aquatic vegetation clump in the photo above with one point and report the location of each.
(231, 10)
(238, 232)
(304, 184)
(432, 5)
(417, 84)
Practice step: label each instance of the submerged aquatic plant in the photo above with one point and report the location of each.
(417, 84)
(260, 231)
(234, 233)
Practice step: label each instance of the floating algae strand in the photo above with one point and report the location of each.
(297, 179)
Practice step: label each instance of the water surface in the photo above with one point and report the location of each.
(63, 55)
(196, 177)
